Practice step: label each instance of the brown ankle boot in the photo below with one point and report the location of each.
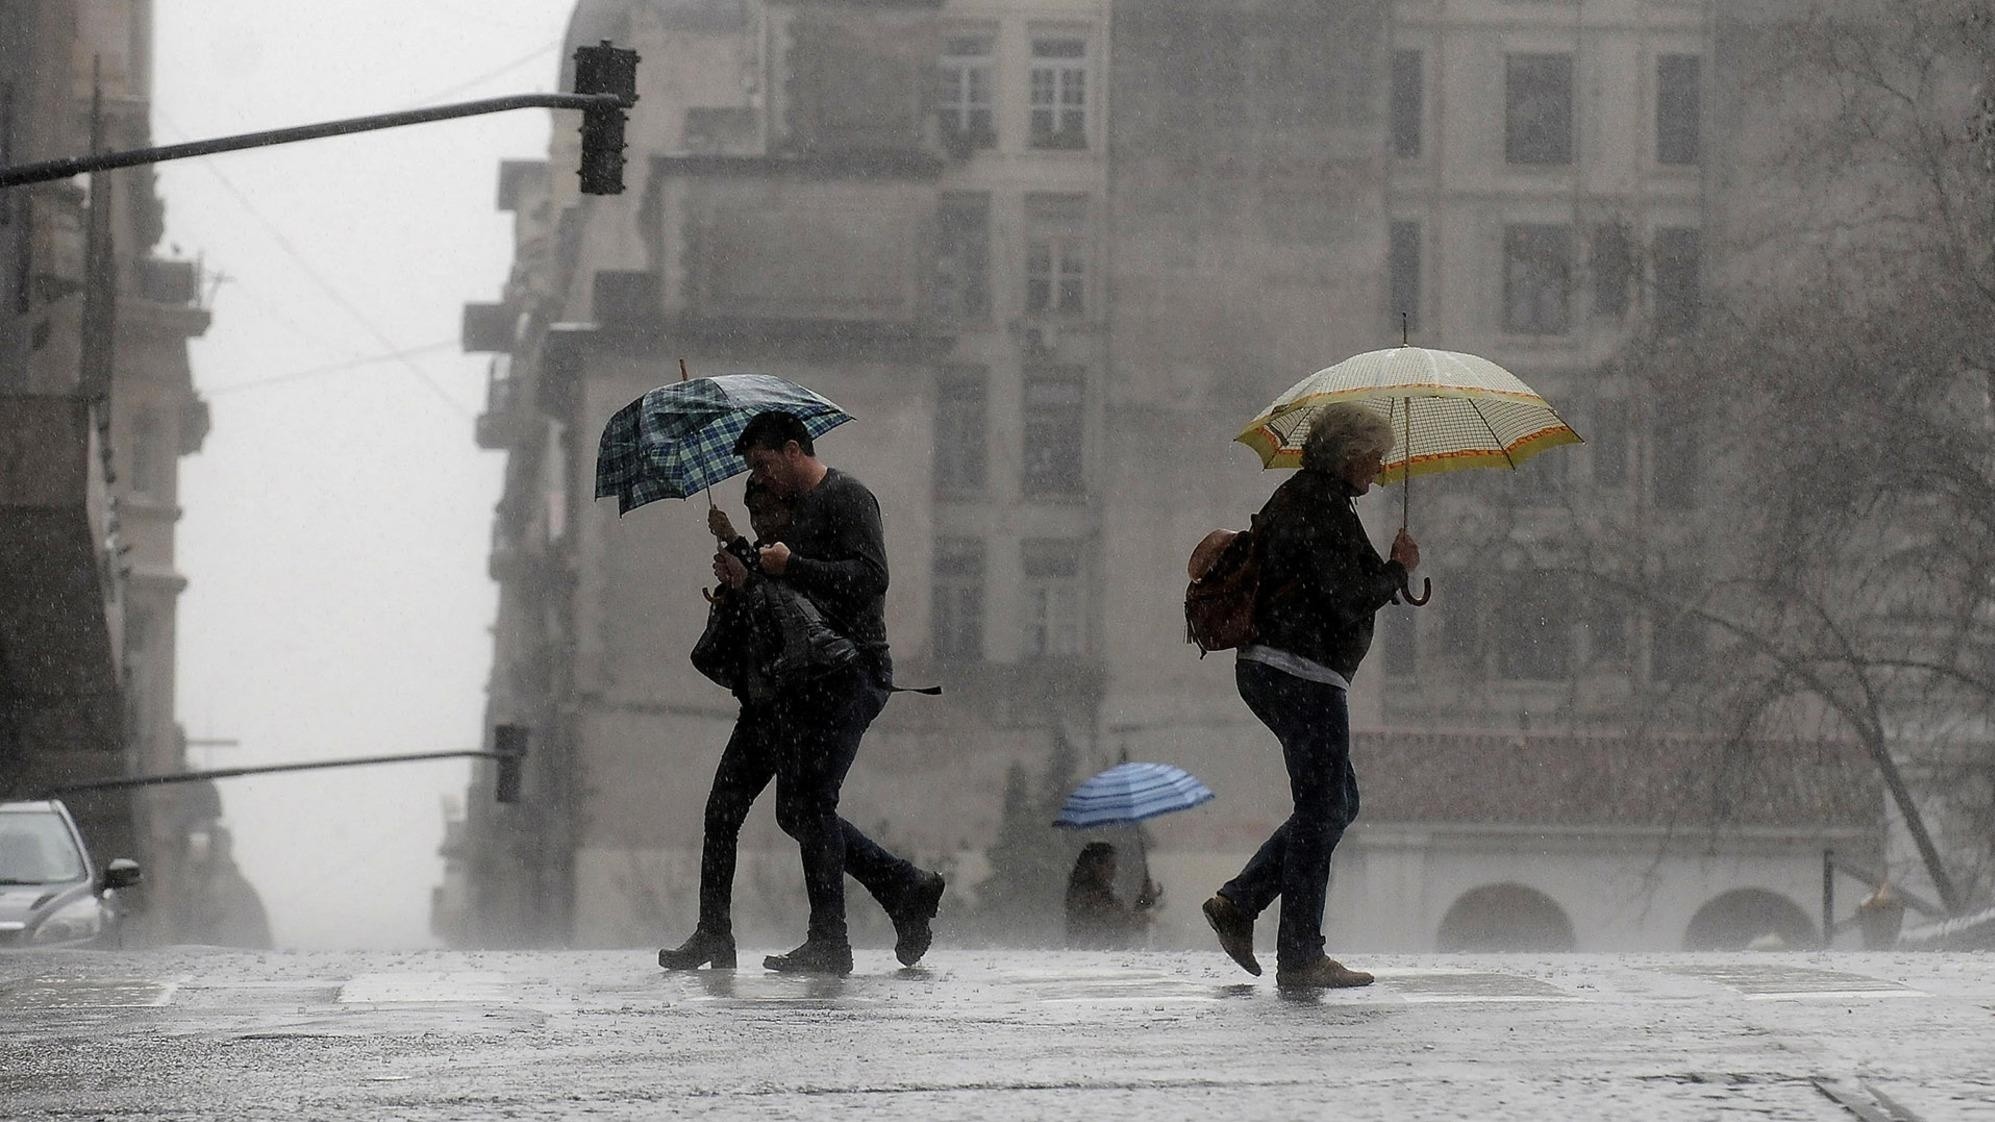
(1235, 929)
(1324, 973)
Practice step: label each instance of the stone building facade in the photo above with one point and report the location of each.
(1053, 254)
(97, 405)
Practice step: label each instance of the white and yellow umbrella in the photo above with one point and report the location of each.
(1449, 411)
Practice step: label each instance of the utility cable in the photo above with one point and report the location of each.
(330, 368)
(325, 286)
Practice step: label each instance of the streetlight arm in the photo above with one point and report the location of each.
(48, 170)
(509, 761)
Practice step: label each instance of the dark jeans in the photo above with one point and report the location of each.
(747, 765)
(816, 737)
(1313, 723)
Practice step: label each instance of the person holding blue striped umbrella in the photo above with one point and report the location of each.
(1124, 795)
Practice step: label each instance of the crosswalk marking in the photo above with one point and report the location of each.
(1465, 985)
(89, 993)
(1776, 982)
(1087, 985)
(470, 987)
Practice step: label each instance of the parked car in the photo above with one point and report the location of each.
(52, 893)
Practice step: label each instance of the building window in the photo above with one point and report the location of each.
(1461, 624)
(1612, 264)
(963, 258)
(1409, 103)
(1674, 454)
(962, 418)
(1679, 262)
(1056, 255)
(138, 675)
(1536, 641)
(1607, 444)
(1676, 636)
(1537, 279)
(1404, 253)
(967, 92)
(145, 453)
(957, 621)
(1679, 101)
(1538, 109)
(1059, 92)
(1053, 623)
(1399, 644)
(1607, 631)
(1054, 420)
(1542, 482)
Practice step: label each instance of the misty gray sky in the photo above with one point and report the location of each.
(337, 521)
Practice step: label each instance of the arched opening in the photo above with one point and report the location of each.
(1505, 917)
(1745, 916)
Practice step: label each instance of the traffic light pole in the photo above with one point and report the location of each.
(511, 751)
(605, 86)
(62, 169)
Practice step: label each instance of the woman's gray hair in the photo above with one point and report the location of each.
(1341, 433)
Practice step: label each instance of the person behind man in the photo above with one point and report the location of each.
(835, 553)
(1320, 584)
(1096, 918)
(748, 762)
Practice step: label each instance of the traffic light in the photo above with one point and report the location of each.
(604, 70)
(509, 744)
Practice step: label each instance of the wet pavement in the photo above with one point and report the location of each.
(194, 1033)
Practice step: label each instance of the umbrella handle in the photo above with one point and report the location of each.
(1426, 591)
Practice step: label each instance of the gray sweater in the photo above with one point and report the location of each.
(839, 559)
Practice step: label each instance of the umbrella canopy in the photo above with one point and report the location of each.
(1448, 411)
(678, 439)
(1130, 793)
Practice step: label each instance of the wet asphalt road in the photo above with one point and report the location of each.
(992, 1035)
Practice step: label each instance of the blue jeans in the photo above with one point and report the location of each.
(1313, 723)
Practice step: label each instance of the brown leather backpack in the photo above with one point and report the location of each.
(1225, 570)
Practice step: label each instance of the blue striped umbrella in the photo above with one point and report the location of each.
(678, 439)
(1130, 793)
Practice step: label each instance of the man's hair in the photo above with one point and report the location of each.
(772, 430)
(1342, 432)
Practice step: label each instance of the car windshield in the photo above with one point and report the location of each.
(36, 848)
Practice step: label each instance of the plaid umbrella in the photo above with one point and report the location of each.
(1129, 793)
(678, 439)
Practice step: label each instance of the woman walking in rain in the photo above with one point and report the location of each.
(1320, 583)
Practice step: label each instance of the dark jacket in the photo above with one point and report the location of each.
(766, 635)
(839, 559)
(1321, 581)
(1096, 920)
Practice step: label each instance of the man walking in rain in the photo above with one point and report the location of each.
(835, 552)
(1320, 583)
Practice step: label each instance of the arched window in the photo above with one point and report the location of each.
(1738, 918)
(1505, 917)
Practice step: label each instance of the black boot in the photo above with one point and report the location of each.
(700, 950)
(814, 957)
(912, 933)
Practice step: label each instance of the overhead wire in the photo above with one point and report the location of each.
(331, 291)
(329, 368)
